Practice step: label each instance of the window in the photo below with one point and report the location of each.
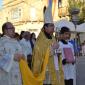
(16, 13)
(59, 3)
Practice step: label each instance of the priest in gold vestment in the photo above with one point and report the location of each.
(44, 42)
(43, 57)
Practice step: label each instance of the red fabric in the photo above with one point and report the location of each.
(68, 55)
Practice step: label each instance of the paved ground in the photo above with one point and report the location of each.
(80, 69)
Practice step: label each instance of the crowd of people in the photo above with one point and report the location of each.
(22, 46)
(44, 53)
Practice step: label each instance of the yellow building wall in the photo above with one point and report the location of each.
(19, 12)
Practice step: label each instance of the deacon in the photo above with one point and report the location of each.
(10, 55)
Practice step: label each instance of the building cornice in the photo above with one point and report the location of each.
(13, 3)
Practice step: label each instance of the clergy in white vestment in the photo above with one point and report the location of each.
(10, 55)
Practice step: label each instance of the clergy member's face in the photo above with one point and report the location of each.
(10, 30)
(50, 29)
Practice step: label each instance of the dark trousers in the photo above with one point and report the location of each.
(29, 60)
(69, 82)
(46, 84)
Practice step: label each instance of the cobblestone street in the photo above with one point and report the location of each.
(80, 71)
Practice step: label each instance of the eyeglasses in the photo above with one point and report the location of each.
(10, 27)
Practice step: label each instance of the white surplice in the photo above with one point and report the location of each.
(10, 74)
(69, 68)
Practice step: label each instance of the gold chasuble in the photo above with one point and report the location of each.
(41, 59)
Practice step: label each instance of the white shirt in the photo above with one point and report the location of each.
(83, 49)
(26, 47)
